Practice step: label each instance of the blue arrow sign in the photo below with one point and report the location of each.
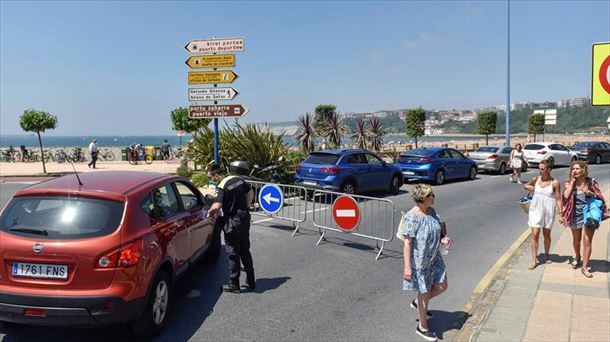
(271, 198)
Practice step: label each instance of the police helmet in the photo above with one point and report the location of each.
(239, 167)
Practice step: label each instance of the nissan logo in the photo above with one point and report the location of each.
(38, 247)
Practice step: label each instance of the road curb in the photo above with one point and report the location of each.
(484, 294)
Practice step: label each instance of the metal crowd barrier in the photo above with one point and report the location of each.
(376, 217)
(294, 208)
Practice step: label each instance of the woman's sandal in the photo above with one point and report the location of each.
(575, 263)
(532, 267)
(547, 260)
(586, 273)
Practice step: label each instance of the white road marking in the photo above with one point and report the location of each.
(311, 211)
(263, 220)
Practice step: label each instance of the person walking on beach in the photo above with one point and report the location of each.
(424, 268)
(547, 197)
(165, 150)
(93, 152)
(578, 189)
(516, 161)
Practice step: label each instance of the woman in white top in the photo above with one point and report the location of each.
(547, 197)
(516, 161)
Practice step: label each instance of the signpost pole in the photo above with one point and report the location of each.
(508, 81)
(216, 157)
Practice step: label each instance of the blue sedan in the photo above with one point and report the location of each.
(436, 164)
(349, 171)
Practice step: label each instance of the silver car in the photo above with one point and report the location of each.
(493, 158)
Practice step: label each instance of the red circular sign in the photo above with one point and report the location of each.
(603, 74)
(346, 213)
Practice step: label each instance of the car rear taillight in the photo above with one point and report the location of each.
(493, 156)
(588, 150)
(542, 152)
(34, 312)
(125, 256)
(298, 168)
(425, 160)
(331, 170)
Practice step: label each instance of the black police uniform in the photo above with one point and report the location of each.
(232, 192)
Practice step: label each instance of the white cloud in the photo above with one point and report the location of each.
(423, 39)
(376, 56)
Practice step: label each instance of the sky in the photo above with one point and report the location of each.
(118, 67)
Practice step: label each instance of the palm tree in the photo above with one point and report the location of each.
(376, 134)
(334, 130)
(305, 134)
(360, 136)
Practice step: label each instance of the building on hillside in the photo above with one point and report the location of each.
(579, 102)
(562, 103)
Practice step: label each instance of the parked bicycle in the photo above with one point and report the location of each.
(77, 155)
(61, 156)
(11, 156)
(105, 154)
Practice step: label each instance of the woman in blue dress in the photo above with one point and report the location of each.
(424, 268)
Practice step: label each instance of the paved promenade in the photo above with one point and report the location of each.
(30, 169)
(551, 303)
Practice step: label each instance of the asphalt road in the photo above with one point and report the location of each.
(335, 291)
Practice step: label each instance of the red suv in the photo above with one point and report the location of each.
(103, 249)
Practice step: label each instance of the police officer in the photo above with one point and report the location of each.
(234, 198)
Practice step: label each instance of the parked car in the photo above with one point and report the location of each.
(436, 164)
(555, 153)
(106, 252)
(596, 152)
(349, 171)
(493, 158)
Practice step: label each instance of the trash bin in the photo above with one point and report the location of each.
(124, 154)
(149, 150)
(158, 154)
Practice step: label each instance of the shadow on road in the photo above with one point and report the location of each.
(444, 321)
(602, 266)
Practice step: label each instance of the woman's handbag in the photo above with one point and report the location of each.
(400, 230)
(525, 202)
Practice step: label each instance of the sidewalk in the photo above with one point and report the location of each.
(553, 302)
(35, 169)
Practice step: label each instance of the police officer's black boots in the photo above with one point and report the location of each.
(230, 287)
(251, 283)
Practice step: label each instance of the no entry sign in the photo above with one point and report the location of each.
(600, 78)
(346, 213)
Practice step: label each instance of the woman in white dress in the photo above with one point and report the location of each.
(547, 197)
(516, 161)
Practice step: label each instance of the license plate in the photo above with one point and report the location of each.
(410, 173)
(310, 183)
(22, 269)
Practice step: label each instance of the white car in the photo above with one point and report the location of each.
(556, 153)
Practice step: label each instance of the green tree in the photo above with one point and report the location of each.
(486, 124)
(376, 135)
(181, 121)
(305, 134)
(360, 135)
(416, 123)
(334, 130)
(38, 121)
(323, 114)
(535, 124)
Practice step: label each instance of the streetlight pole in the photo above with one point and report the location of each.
(508, 80)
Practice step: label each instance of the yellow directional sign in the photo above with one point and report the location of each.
(212, 77)
(211, 61)
(600, 78)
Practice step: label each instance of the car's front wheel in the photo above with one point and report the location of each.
(598, 159)
(502, 169)
(156, 313)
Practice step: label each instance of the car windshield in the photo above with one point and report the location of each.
(61, 217)
(533, 147)
(321, 158)
(487, 149)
